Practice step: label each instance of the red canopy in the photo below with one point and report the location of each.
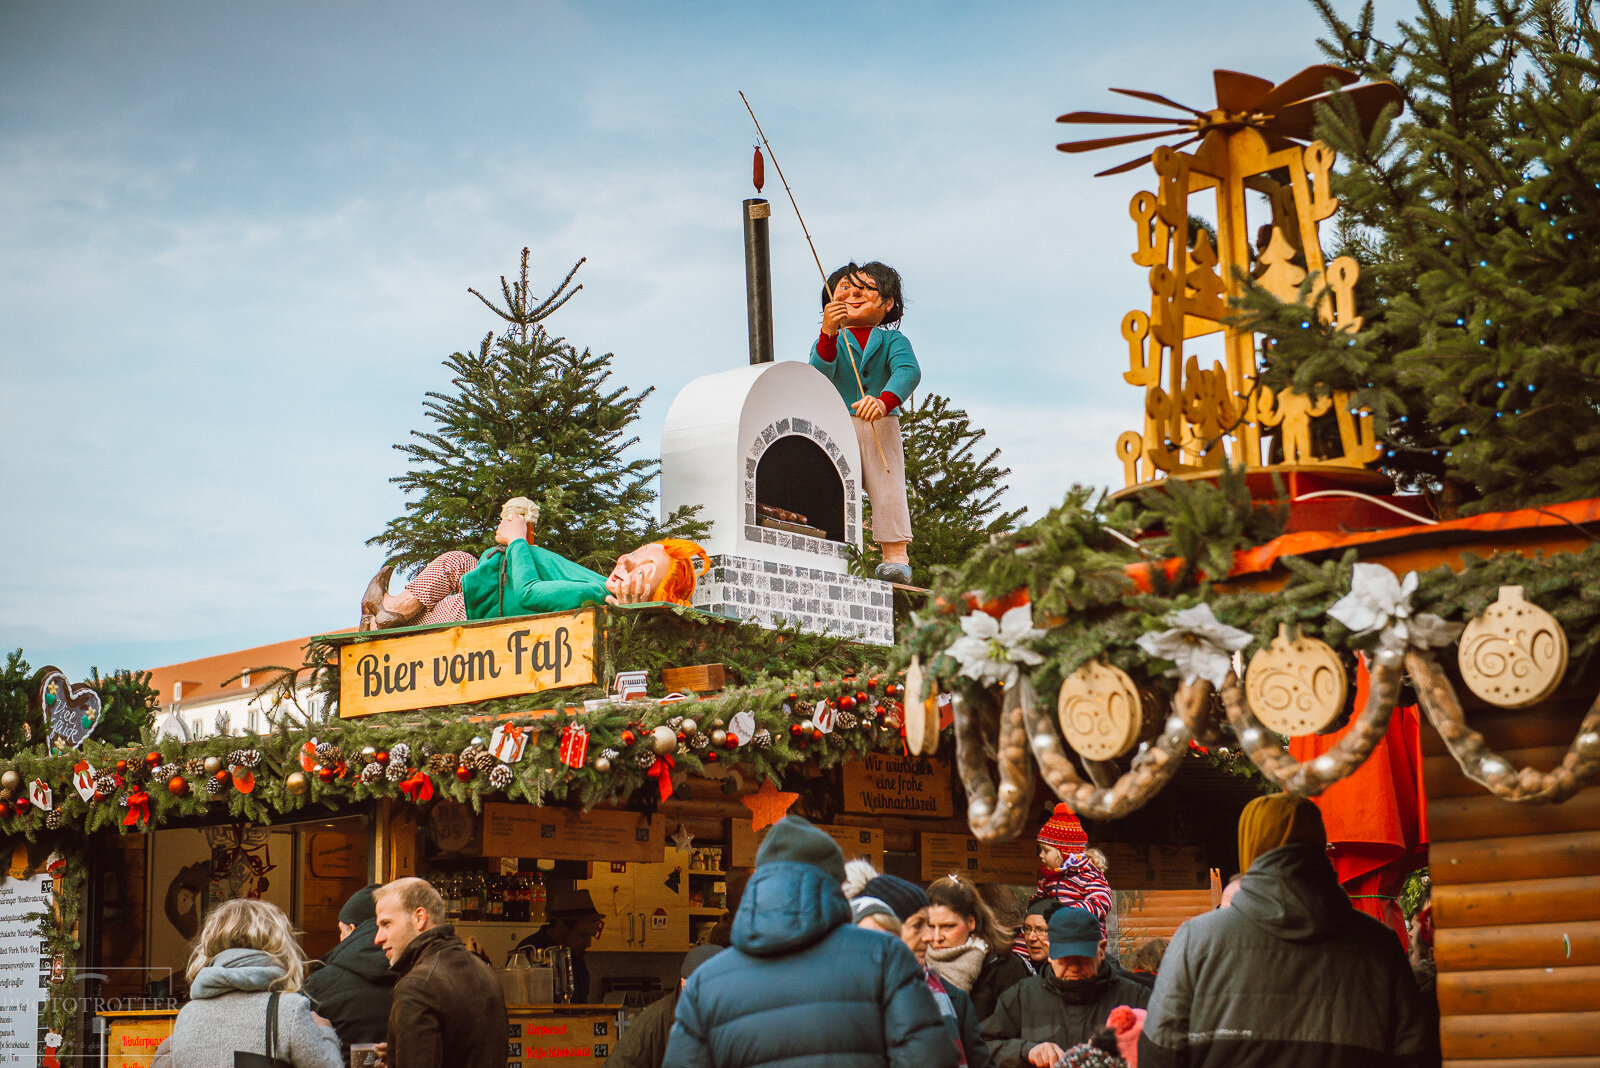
(1377, 817)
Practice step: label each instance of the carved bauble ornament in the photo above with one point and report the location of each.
(1296, 687)
(1101, 714)
(1515, 653)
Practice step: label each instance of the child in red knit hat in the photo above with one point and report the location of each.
(1067, 873)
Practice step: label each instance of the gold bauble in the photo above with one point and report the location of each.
(10, 780)
(719, 737)
(213, 765)
(690, 727)
(1296, 687)
(296, 782)
(1100, 711)
(1514, 654)
(602, 764)
(664, 740)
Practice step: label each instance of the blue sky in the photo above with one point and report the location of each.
(236, 239)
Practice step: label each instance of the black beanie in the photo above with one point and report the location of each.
(905, 898)
(361, 906)
(793, 838)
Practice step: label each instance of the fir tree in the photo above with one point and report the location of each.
(954, 496)
(1474, 216)
(533, 415)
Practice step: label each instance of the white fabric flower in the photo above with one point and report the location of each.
(1378, 603)
(991, 649)
(1201, 646)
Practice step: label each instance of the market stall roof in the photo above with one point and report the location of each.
(206, 676)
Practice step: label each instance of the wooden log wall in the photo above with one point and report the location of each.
(1516, 902)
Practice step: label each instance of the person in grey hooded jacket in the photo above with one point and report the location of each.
(802, 985)
(1288, 974)
(245, 953)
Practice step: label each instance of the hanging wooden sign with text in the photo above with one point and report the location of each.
(864, 842)
(472, 662)
(1012, 863)
(566, 834)
(884, 784)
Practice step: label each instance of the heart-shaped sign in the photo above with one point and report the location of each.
(70, 713)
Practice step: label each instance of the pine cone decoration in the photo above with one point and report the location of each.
(646, 759)
(699, 741)
(399, 755)
(372, 773)
(235, 757)
(846, 720)
(213, 785)
(250, 757)
(442, 764)
(137, 775)
(469, 753)
(484, 760)
(105, 783)
(424, 751)
(52, 820)
(395, 771)
(328, 753)
(166, 772)
(762, 739)
(500, 776)
(194, 768)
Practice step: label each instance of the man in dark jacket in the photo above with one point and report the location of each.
(447, 1002)
(1290, 973)
(803, 986)
(1038, 1019)
(354, 985)
(644, 1043)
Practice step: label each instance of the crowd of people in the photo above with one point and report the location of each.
(839, 965)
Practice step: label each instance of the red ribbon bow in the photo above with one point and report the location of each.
(138, 807)
(661, 772)
(418, 787)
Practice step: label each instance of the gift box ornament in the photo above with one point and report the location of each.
(83, 776)
(508, 742)
(574, 745)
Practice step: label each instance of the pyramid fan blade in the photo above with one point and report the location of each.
(1239, 92)
(1313, 81)
(1299, 120)
(1112, 142)
(1106, 116)
(1157, 98)
(1141, 161)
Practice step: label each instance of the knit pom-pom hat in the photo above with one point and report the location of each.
(1063, 831)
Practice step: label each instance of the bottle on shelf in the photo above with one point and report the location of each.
(536, 900)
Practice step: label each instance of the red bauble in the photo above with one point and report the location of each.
(5, 810)
(731, 742)
(794, 696)
(177, 786)
(872, 683)
(463, 772)
(325, 773)
(224, 778)
(381, 758)
(122, 767)
(627, 737)
(711, 756)
(891, 690)
(152, 760)
(794, 729)
(879, 710)
(862, 696)
(846, 703)
(816, 734)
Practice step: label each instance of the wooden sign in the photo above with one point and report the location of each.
(1131, 866)
(472, 662)
(567, 834)
(585, 1038)
(883, 784)
(1013, 863)
(863, 842)
(132, 1037)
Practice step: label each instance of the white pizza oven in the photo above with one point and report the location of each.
(769, 454)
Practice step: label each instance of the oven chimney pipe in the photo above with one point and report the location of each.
(758, 278)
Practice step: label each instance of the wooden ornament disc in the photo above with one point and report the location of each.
(1296, 687)
(916, 721)
(1100, 711)
(1514, 654)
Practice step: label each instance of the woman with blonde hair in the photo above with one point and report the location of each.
(244, 980)
(968, 948)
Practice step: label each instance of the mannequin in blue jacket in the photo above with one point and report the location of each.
(864, 301)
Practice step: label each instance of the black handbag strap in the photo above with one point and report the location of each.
(272, 1026)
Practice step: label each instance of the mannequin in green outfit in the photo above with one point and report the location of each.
(516, 577)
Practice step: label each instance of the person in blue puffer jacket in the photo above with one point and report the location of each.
(801, 984)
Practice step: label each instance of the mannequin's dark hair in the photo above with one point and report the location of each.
(885, 279)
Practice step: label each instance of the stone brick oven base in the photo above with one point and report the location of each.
(816, 601)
